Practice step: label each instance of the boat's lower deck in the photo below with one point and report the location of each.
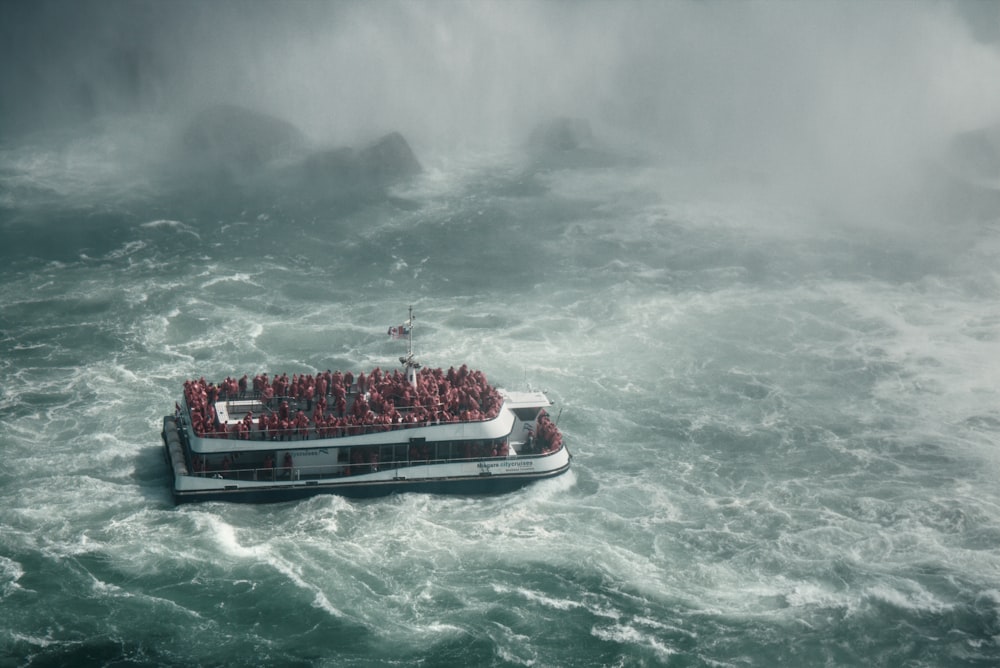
(360, 488)
(445, 467)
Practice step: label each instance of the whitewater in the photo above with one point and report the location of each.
(784, 429)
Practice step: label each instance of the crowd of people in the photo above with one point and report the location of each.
(333, 404)
(547, 437)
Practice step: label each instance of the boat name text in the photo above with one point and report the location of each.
(509, 464)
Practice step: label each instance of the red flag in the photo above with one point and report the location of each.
(400, 332)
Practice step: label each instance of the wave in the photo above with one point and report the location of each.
(172, 226)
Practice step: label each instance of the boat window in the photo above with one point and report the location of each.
(526, 414)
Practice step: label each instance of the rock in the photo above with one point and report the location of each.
(975, 155)
(388, 159)
(238, 138)
(562, 134)
(963, 184)
(569, 143)
(331, 166)
(373, 167)
(234, 152)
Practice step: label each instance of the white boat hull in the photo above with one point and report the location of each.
(487, 475)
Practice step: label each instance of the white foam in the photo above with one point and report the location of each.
(630, 635)
(224, 535)
(547, 601)
(238, 277)
(912, 597)
(320, 599)
(128, 248)
(39, 641)
(153, 224)
(807, 595)
(10, 572)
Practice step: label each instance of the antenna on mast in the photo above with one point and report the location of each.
(409, 332)
(411, 364)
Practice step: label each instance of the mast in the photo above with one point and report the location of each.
(409, 333)
(411, 364)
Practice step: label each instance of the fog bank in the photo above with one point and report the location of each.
(844, 97)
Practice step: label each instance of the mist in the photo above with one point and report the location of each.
(838, 100)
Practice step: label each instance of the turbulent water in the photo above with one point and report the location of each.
(784, 428)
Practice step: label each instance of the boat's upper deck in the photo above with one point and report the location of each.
(335, 404)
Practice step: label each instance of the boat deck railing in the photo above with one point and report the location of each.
(236, 407)
(314, 432)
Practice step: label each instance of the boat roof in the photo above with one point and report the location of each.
(525, 399)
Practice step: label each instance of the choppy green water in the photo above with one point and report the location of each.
(784, 433)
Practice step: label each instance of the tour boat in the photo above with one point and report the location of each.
(415, 429)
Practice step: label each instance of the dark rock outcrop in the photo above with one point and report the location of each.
(371, 168)
(388, 159)
(238, 138)
(230, 151)
(963, 183)
(562, 134)
(568, 143)
(334, 165)
(976, 154)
